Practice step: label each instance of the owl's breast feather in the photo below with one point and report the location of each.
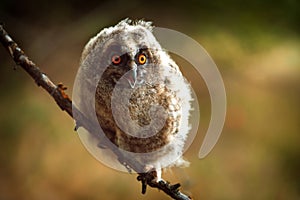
(154, 117)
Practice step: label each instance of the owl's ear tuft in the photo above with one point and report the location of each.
(147, 24)
(125, 21)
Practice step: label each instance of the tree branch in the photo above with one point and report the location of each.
(65, 103)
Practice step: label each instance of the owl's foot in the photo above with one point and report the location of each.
(145, 178)
(150, 178)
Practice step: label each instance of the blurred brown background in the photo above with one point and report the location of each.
(256, 46)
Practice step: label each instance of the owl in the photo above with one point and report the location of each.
(137, 94)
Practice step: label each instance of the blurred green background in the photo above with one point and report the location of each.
(256, 46)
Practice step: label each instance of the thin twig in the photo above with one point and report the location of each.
(65, 103)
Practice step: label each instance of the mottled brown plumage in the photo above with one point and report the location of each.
(137, 93)
(140, 104)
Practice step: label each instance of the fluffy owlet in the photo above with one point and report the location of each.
(137, 94)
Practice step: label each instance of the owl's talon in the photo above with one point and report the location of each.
(144, 186)
(143, 178)
(146, 177)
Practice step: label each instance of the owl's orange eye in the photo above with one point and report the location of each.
(142, 59)
(116, 59)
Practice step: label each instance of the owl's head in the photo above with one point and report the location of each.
(128, 48)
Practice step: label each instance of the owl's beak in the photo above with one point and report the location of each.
(132, 76)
